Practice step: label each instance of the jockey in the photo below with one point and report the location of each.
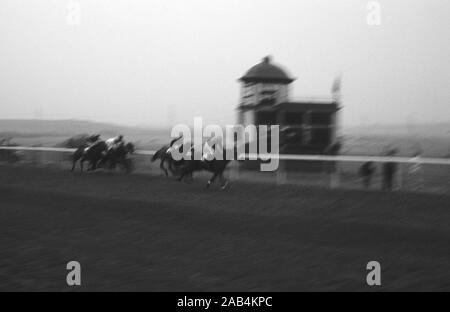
(175, 144)
(113, 143)
(92, 140)
(210, 146)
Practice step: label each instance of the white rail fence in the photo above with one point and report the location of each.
(334, 178)
(339, 158)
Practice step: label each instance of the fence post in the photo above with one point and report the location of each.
(400, 177)
(335, 176)
(281, 173)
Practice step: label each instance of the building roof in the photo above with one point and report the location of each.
(316, 106)
(266, 72)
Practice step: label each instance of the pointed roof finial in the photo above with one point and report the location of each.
(336, 87)
(267, 59)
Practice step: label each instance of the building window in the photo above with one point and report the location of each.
(320, 119)
(266, 118)
(294, 119)
(293, 135)
(321, 136)
(248, 91)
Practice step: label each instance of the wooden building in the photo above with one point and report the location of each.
(307, 126)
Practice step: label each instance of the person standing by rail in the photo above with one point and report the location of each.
(366, 172)
(389, 172)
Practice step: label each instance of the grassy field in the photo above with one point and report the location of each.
(142, 232)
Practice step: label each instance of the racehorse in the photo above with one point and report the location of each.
(165, 155)
(93, 154)
(216, 166)
(119, 156)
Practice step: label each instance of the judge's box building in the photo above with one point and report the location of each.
(307, 126)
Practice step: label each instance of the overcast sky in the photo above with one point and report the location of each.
(160, 62)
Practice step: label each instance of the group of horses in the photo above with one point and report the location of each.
(100, 156)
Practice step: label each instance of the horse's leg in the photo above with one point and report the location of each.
(76, 157)
(191, 176)
(170, 166)
(212, 179)
(128, 163)
(223, 181)
(74, 163)
(125, 165)
(101, 163)
(161, 165)
(81, 165)
(92, 165)
(185, 171)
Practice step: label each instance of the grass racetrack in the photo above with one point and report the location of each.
(143, 232)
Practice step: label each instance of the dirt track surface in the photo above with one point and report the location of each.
(149, 233)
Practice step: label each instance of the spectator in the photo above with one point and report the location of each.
(366, 173)
(389, 171)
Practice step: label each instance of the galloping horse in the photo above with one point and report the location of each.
(92, 154)
(165, 155)
(216, 166)
(119, 156)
